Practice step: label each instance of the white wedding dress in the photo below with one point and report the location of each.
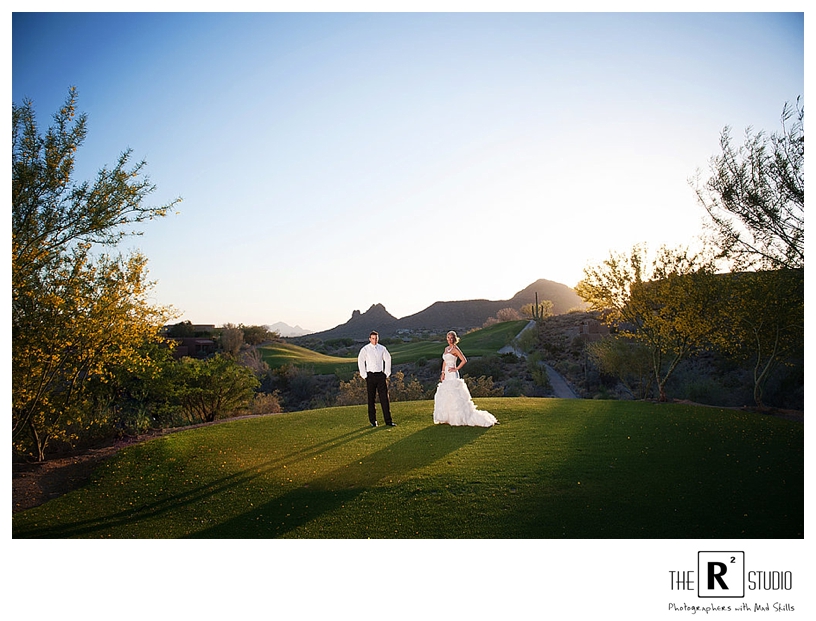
(452, 402)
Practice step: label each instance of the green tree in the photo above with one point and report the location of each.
(666, 302)
(214, 387)
(183, 329)
(755, 196)
(77, 313)
(763, 321)
(139, 397)
(255, 335)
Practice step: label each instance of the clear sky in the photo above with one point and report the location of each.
(330, 161)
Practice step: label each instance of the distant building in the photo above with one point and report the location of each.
(193, 347)
(589, 330)
(198, 329)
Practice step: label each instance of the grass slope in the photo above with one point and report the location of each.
(482, 342)
(280, 354)
(552, 469)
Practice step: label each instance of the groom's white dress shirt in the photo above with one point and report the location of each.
(374, 359)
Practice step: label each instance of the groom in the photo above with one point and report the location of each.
(374, 363)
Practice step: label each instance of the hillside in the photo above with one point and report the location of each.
(361, 324)
(456, 315)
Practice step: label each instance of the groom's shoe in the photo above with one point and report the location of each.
(391, 424)
(374, 424)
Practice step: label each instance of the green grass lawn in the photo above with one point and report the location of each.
(552, 469)
(280, 354)
(484, 342)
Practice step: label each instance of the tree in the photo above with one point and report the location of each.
(251, 358)
(755, 196)
(508, 314)
(607, 287)
(232, 339)
(92, 320)
(255, 335)
(139, 397)
(503, 315)
(629, 361)
(666, 303)
(214, 387)
(183, 329)
(763, 321)
(77, 313)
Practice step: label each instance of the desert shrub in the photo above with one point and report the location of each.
(266, 403)
(528, 340)
(503, 315)
(513, 387)
(508, 314)
(252, 360)
(482, 387)
(297, 385)
(538, 372)
(628, 361)
(352, 392)
(134, 421)
(487, 366)
(399, 390)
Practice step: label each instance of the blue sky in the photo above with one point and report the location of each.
(328, 162)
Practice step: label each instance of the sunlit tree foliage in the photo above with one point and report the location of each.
(667, 302)
(77, 313)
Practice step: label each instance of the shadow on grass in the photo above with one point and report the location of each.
(283, 513)
(670, 474)
(305, 503)
(132, 515)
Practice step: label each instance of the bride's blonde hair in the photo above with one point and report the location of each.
(453, 334)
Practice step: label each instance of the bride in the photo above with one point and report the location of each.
(452, 402)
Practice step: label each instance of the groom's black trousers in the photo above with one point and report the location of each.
(376, 384)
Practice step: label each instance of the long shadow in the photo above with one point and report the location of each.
(416, 450)
(666, 473)
(150, 510)
(322, 495)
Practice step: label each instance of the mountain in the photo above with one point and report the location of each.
(285, 329)
(564, 298)
(361, 324)
(460, 315)
(473, 313)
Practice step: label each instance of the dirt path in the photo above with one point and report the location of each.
(32, 484)
(561, 388)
